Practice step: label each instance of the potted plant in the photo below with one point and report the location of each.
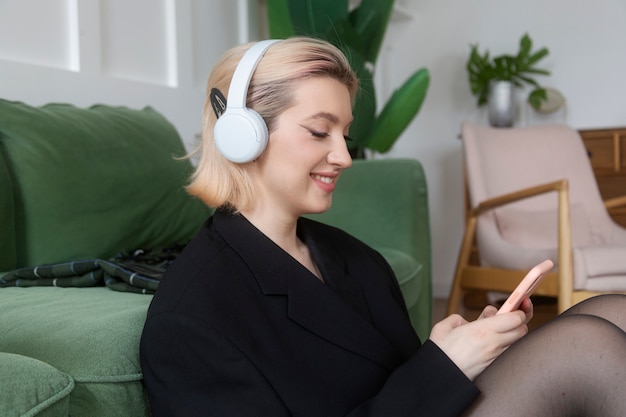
(359, 33)
(489, 75)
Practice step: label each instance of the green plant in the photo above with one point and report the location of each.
(517, 69)
(359, 34)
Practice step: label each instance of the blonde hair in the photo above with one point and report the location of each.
(220, 182)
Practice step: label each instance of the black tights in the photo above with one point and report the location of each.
(573, 366)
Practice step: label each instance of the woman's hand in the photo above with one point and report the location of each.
(472, 346)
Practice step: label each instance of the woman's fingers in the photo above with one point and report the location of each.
(473, 346)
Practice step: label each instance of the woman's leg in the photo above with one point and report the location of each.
(572, 366)
(611, 307)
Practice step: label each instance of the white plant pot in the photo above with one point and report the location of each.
(501, 103)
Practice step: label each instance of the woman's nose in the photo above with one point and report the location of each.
(339, 154)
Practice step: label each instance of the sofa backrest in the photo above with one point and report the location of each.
(79, 183)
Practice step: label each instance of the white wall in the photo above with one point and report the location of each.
(159, 52)
(586, 41)
(119, 52)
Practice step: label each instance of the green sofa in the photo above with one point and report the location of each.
(89, 184)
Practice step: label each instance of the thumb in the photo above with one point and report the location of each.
(455, 320)
(488, 311)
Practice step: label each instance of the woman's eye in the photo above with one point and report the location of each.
(319, 134)
(347, 138)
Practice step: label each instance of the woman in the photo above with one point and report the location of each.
(267, 313)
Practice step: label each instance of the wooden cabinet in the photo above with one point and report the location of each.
(607, 153)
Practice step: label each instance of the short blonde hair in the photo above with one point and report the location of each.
(220, 182)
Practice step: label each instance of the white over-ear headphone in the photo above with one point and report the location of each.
(240, 133)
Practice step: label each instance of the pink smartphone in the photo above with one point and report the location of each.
(526, 287)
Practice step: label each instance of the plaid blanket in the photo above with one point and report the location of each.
(139, 271)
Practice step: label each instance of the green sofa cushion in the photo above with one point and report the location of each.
(89, 183)
(32, 388)
(91, 334)
(8, 255)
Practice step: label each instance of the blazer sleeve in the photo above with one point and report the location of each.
(428, 384)
(185, 381)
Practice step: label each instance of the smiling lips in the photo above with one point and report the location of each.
(325, 182)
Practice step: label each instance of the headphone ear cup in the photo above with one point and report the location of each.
(240, 135)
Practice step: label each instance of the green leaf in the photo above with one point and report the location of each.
(538, 71)
(525, 45)
(314, 17)
(540, 54)
(527, 80)
(279, 20)
(343, 35)
(364, 115)
(536, 97)
(365, 104)
(399, 111)
(370, 19)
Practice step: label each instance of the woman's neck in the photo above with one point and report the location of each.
(281, 229)
(283, 232)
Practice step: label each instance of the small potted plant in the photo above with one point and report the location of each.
(492, 80)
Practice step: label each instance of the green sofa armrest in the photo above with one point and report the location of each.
(384, 203)
(33, 388)
(89, 335)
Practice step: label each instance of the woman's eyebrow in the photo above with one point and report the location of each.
(324, 115)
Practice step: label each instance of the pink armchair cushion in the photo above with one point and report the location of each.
(600, 268)
(539, 229)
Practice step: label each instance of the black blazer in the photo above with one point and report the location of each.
(240, 328)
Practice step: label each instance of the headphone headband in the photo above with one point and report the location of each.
(238, 90)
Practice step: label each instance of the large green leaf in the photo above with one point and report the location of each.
(399, 111)
(342, 34)
(370, 19)
(364, 110)
(304, 17)
(364, 114)
(359, 34)
(314, 17)
(279, 19)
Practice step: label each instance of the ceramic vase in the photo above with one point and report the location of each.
(501, 103)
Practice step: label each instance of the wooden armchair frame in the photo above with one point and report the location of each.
(558, 284)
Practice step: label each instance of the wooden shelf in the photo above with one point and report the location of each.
(607, 152)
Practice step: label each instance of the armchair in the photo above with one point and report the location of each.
(516, 220)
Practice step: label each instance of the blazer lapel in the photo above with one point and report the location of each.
(319, 309)
(311, 303)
